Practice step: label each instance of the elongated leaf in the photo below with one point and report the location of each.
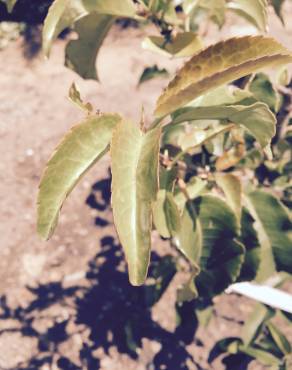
(194, 187)
(78, 151)
(134, 187)
(254, 323)
(254, 11)
(166, 217)
(263, 356)
(222, 255)
(183, 45)
(273, 225)
(280, 339)
(81, 54)
(9, 4)
(62, 14)
(256, 118)
(249, 239)
(120, 8)
(220, 64)
(231, 186)
(189, 238)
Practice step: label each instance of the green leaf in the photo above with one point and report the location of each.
(256, 118)
(75, 97)
(262, 356)
(254, 323)
(166, 217)
(124, 8)
(219, 64)
(232, 188)
(277, 5)
(81, 148)
(254, 11)
(273, 225)
(222, 255)
(134, 187)
(62, 14)
(152, 72)
(194, 137)
(189, 238)
(9, 4)
(224, 95)
(182, 45)
(249, 239)
(81, 54)
(279, 338)
(194, 187)
(264, 91)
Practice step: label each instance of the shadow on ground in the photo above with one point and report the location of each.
(104, 310)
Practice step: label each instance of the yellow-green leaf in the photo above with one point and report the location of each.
(75, 97)
(231, 186)
(219, 64)
(10, 4)
(189, 238)
(256, 118)
(183, 44)
(273, 224)
(62, 14)
(81, 54)
(166, 216)
(134, 186)
(120, 8)
(73, 157)
(254, 11)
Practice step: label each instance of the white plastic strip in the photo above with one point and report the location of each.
(265, 294)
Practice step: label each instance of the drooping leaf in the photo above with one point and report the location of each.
(273, 225)
(81, 54)
(62, 14)
(232, 188)
(74, 156)
(183, 45)
(219, 64)
(222, 255)
(152, 72)
(254, 11)
(263, 90)
(166, 217)
(277, 5)
(189, 238)
(9, 4)
(134, 187)
(75, 97)
(124, 8)
(256, 118)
